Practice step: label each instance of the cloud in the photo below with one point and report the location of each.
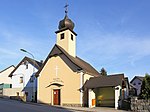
(5, 52)
(11, 42)
(110, 49)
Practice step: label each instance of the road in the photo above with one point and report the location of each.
(7, 105)
(16, 106)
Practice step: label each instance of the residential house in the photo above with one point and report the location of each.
(5, 81)
(137, 83)
(24, 82)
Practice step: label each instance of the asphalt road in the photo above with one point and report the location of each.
(16, 106)
(7, 105)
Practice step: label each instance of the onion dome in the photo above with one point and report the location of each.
(66, 23)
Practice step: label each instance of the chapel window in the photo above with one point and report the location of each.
(62, 36)
(71, 37)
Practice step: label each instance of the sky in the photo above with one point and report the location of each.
(113, 34)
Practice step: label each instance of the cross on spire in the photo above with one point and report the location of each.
(66, 7)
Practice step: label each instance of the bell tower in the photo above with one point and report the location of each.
(66, 37)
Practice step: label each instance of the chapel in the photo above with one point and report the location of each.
(63, 73)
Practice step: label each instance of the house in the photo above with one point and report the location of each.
(107, 91)
(137, 83)
(5, 81)
(63, 73)
(4, 75)
(24, 82)
(133, 91)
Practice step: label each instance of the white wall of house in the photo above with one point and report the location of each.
(117, 96)
(4, 76)
(27, 85)
(137, 83)
(26, 74)
(7, 92)
(91, 98)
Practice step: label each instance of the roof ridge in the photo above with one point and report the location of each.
(7, 68)
(37, 64)
(81, 64)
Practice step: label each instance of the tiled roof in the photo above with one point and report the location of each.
(7, 68)
(104, 81)
(79, 64)
(137, 77)
(33, 62)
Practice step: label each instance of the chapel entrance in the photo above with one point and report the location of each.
(56, 96)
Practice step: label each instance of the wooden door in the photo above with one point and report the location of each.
(56, 97)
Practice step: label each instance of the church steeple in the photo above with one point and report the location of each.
(66, 37)
(66, 22)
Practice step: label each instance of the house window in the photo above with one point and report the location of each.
(26, 64)
(62, 36)
(17, 93)
(26, 93)
(139, 83)
(71, 37)
(21, 79)
(10, 85)
(31, 79)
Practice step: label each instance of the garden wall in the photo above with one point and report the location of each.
(140, 105)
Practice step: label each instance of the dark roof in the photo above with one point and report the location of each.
(7, 68)
(66, 28)
(66, 23)
(104, 81)
(138, 77)
(77, 63)
(31, 61)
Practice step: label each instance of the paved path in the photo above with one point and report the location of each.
(95, 109)
(7, 105)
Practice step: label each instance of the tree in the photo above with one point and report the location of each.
(145, 88)
(103, 72)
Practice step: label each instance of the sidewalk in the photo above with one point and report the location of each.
(95, 109)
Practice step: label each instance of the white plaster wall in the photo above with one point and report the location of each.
(91, 96)
(26, 86)
(117, 95)
(12, 92)
(26, 74)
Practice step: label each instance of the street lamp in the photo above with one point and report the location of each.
(23, 50)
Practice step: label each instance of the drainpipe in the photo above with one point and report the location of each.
(81, 85)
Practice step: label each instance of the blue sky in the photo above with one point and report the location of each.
(113, 34)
